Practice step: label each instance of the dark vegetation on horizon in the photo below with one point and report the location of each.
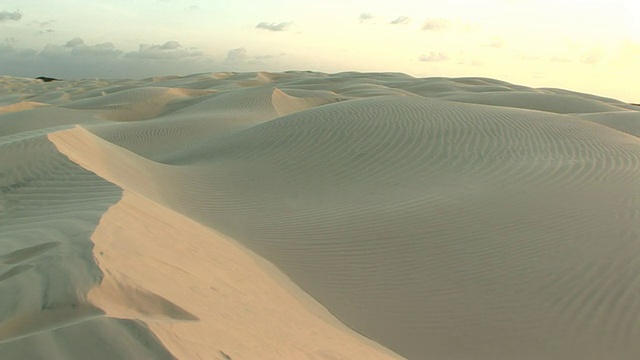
(47, 79)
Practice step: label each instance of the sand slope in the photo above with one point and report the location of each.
(49, 207)
(625, 121)
(419, 214)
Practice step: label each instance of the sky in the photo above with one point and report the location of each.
(590, 46)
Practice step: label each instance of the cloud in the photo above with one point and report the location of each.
(365, 17)
(77, 59)
(263, 57)
(193, 8)
(436, 24)
(105, 49)
(168, 50)
(434, 57)
(43, 24)
(74, 42)
(274, 27)
(401, 20)
(77, 47)
(170, 45)
(10, 16)
(52, 51)
(237, 55)
(7, 51)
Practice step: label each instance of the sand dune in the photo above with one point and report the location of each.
(21, 106)
(306, 215)
(544, 101)
(625, 121)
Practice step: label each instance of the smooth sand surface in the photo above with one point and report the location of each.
(625, 121)
(305, 215)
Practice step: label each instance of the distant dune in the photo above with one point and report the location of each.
(303, 215)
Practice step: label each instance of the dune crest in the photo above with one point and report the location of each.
(21, 106)
(218, 296)
(286, 104)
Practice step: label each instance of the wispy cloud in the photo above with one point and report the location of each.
(274, 26)
(168, 50)
(436, 24)
(75, 58)
(46, 26)
(401, 20)
(237, 55)
(365, 17)
(10, 16)
(74, 42)
(239, 58)
(105, 49)
(434, 57)
(43, 24)
(77, 48)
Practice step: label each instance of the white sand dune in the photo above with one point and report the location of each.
(305, 215)
(21, 106)
(543, 101)
(625, 121)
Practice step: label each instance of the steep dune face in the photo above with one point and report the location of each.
(430, 223)
(204, 297)
(49, 207)
(198, 292)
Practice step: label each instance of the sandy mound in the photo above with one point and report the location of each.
(282, 215)
(625, 121)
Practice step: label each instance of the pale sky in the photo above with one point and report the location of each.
(590, 46)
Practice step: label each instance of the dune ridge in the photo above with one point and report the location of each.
(48, 209)
(235, 302)
(460, 218)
